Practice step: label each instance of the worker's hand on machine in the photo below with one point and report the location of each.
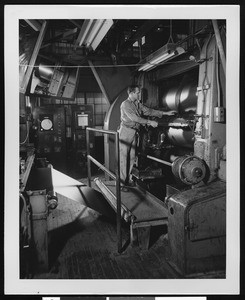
(169, 113)
(152, 123)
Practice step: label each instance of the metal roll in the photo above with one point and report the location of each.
(181, 137)
(181, 98)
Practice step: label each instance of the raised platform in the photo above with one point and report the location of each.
(139, 207)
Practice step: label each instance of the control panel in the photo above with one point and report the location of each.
(82, 117)
(51, 139)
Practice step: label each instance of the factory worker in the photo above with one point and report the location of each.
(131, 112)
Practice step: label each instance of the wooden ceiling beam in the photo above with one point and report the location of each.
(34, 24)
(32, 61)
(59, 37)
(76, 23)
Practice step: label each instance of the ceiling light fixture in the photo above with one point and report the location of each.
(163, 54)
(93, 31)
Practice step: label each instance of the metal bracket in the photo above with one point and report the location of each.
(201, 116)
(203, 88)
(201, 61)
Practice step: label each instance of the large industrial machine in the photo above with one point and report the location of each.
(183, 161)
(180, 167)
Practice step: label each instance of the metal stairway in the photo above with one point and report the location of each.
(139, 207)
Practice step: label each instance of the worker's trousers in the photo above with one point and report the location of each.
(127, 144)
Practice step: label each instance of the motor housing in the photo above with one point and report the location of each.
(189, 169)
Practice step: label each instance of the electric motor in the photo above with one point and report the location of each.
(189, 169)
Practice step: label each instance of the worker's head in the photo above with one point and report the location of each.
(134, 92)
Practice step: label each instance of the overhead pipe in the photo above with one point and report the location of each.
(159, 160)
(219, 44)
(188, 168)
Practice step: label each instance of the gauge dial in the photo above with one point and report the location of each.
(46, 124)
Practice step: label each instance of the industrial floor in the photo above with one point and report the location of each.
(83, 245)
(82, 235)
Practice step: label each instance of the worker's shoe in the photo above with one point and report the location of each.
(130, 184)
(124, 188)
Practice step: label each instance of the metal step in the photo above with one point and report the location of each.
(111, 197)
(136, 202)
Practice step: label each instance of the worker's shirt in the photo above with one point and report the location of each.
(131, 112)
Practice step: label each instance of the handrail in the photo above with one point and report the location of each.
(115, 176)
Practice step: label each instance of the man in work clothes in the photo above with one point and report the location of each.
(131, 112)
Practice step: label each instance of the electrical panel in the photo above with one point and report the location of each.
(82, 117)
(50, 135)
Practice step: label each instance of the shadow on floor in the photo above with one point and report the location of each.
(156, 233)
(96, 201)
(58, 239)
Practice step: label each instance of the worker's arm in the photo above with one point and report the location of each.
(155, 113)
(128, 113)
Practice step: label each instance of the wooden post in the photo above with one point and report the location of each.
(32, 61)
(144, 237)
(99, 81)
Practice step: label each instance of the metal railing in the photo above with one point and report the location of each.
(115, 176)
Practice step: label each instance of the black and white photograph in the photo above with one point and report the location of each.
(121, 149)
